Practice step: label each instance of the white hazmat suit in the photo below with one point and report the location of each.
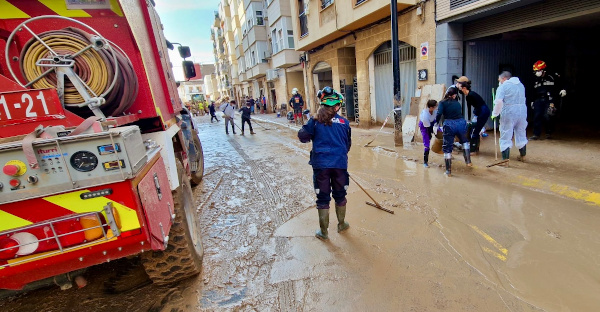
(510, 104)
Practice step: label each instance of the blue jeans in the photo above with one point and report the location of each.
(453, 128)
(330, 181)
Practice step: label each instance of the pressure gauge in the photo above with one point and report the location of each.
(84, 161)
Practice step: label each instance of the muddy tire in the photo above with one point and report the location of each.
(183, 256)
(197, 166)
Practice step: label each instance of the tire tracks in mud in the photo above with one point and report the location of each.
(283, 210)
(271, 195)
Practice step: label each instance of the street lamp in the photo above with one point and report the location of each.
(189, 71)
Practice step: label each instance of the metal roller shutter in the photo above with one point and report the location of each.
(528, 16)
(384, 82)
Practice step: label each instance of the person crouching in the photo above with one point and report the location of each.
(427, 119)
(331, 137)
(454, 125)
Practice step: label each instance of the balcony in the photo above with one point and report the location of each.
(247, 3)
(224, 9)
(217, 21)
(256, 33)
(285, 58)
(368, 12)
(258, 70)
(336, 21)
(303, 24)
(245, 44)
(282, 9)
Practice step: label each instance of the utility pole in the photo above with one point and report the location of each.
(396, 74)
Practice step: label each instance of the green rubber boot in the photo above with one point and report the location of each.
(506, 154)
(323, 224)
(340, 211)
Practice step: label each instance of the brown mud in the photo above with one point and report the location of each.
(522, 238)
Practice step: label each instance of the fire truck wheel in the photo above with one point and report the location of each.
(198, 167)
(183, 256)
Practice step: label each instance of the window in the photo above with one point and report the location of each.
(280, 39)
(360, 1)
(290, 39)
(274, 41)
(253, 58)
(326, 3)
(303, 25)
(259, 18)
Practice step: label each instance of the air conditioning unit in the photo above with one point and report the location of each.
(272, 74)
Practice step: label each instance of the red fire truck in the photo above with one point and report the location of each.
(97, 152)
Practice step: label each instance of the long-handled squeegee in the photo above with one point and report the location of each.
(375, 204)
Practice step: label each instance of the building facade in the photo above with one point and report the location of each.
(255, 52)
(347, 45)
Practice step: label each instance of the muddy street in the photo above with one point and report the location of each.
(483, 240)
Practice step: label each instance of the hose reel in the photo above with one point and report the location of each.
(100, 80)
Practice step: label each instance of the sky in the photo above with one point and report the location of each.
(188, 22)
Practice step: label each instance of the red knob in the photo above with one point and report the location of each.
(11, 170)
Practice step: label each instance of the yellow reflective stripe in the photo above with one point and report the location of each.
(9, 221)
(60, 7)
(114, 6)
(72, 201)
(8, 11)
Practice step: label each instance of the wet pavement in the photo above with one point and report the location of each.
(522, 238)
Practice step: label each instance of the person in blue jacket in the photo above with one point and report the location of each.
(331, 137)
(454, 125)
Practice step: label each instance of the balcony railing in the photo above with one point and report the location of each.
(303, 24)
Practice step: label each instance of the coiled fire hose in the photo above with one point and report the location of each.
(94, 66)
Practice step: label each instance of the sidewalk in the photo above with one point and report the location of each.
(567, 167)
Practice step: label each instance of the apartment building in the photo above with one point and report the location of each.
(211, 87)
(480, 38)
(254, 51)
(286, 71)
(220, 36)
(347, 45)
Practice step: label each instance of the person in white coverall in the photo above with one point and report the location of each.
(510, 105)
